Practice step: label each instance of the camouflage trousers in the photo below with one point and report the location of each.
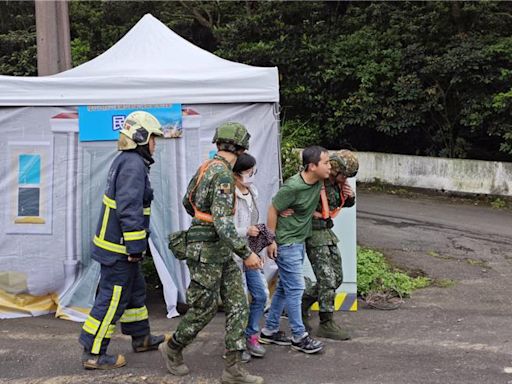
(208, 280)
(326, 263)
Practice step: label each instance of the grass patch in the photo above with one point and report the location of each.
(374, 274)
(498, 203)
(443, 283)
(480, 263)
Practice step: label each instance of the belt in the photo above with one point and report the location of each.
(322, 224)
(197, 233)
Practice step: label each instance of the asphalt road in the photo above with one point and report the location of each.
(453, 335)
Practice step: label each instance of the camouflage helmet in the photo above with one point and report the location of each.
(232, 133)
(344, 162)
(137, 129)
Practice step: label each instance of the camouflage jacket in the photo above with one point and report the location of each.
(322, 233)
(215, 195)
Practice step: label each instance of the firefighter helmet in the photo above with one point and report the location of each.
(137, 129)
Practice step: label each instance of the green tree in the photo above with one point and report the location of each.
(428, 78)
(17, 39)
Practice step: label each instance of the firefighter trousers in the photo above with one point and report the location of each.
(121, 296)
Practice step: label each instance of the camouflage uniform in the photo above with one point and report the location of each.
(324, 255)
(209, 258)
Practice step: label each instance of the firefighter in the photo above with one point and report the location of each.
(119, 244)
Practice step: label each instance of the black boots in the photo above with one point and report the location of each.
(307, 302)
(146, 342)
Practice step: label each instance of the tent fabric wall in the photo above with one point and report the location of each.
(29, 266)
(41, 257)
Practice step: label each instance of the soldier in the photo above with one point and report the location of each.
(322, 249)
(119, 244)
(211, 239)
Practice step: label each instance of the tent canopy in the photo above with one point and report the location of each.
(150, 65)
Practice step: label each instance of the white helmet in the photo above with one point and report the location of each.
(137, 129)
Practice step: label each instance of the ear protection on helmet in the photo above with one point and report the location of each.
(140, 135)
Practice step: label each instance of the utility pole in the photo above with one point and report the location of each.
(53, 37)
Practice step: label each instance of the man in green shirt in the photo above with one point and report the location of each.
(300, 193)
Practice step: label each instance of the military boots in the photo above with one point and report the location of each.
(307, 302)
(234, 373)
(171, 352)
(329, 329)
(146, 342)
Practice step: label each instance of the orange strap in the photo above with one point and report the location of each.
(325, 203)
(203, 216)
(326, 214)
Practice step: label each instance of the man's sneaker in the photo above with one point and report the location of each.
(278, 338)
(254, 347)
(90, 361)
(307, 345)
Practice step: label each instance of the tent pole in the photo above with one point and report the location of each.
(70, 263)
(277, 116)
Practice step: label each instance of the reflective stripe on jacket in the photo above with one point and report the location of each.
(123, 225)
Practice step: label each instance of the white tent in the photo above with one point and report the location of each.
(46, 171)
(150, 65)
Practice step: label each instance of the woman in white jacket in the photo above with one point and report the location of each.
(246, 218)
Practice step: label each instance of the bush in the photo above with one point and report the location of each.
(290, 160)
(150, 274)
(295, 134)
(374, 274)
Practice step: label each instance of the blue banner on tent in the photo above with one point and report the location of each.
(103, 122)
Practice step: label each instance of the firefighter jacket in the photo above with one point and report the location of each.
(123, 226)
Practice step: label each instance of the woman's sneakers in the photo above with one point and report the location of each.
(307, 344)
(254, 347)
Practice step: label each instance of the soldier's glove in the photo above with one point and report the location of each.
(135, 257)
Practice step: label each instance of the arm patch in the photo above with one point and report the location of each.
(225, 188)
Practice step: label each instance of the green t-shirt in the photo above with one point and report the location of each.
(303, 199)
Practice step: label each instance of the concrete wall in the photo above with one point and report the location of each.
(458, 175)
